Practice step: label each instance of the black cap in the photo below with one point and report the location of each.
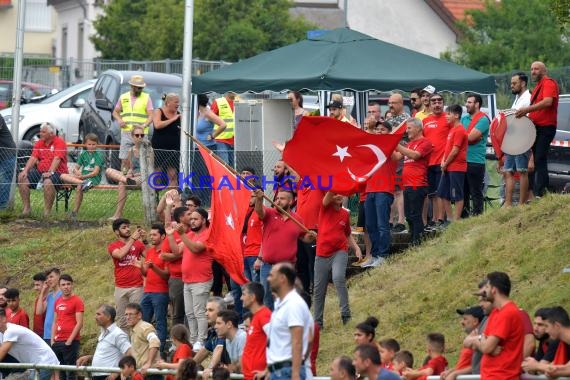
(335, 104)
(476, 311)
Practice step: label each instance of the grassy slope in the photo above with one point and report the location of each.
(416, 294)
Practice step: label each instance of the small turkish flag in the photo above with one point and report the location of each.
(230, 201)
(332, 155)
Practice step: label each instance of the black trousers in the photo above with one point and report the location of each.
(473, 189)
(540, 149)
(306, 253)
(67, 355)
(413, 206)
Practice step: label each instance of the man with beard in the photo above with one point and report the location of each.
(197, 275)
(558, 328)
(503, 339)
(283, 180)
(128, 278)
(368, 364)
(543, 111)
(280, 234)
(3, 302)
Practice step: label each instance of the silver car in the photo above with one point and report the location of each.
(62, 110)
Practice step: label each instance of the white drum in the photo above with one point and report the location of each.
(520, 135)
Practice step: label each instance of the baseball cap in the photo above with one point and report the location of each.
(334, 104)
(429, 89)
(476, 311)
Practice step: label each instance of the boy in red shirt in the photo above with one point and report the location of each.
(18, 315)
(436, 363)
(39, 318)
(453, 165)
(388, 349)
(402, 360)
(128, 366)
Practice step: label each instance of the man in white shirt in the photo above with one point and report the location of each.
(519, 88)
(289, 328)
(113, 343)
(25, 346)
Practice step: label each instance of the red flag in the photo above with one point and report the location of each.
(336, 156)
(230, 201)
(498, 129)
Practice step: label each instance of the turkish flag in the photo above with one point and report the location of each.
(230, 201)
(333, 155)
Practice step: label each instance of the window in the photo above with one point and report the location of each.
(38, 16)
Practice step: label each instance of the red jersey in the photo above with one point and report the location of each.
(334, 231)
(384, 180)
(154, 283)
(280, 237)
(437, 364)
(414, 173)
(545, 88)
(20, 317)
(197, 267)
(506, 324)
(465, 357)
(183, 351)
(252, 238)
(309, 203)
(126, 274)
(137, 376)
(457, 137)
(45, 154)
(65, 310)
(39, 319)
(253, 357)
(436, 130)
(174, 267)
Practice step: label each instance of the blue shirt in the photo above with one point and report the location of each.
(384, 374)
(476, 152)
(50, 312)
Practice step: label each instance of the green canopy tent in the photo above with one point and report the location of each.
(342, 59)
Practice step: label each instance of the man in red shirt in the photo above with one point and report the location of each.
(39, 318)
(453, 165)
(197, 275)
(67, 324)
(128, 278)
(154, 302)
(436, 129)
(543, 111)
(17, 315)
(414, 176)
(332, 255)
(503, 339)
(47, 162)
(253, 357)
(280, 235)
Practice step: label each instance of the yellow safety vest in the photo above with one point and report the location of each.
(134, 114)
(227, 115)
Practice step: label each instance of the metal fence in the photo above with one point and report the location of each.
(61, 73)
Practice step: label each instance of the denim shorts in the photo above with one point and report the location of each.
(518, 163)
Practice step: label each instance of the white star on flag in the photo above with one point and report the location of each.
(230, 221)
(342, 152)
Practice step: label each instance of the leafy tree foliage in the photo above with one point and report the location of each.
(223, 29)
(509, 35)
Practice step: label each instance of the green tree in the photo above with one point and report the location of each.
(223, 29)
(509, 35)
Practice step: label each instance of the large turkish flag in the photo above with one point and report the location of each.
(332, 155)
(230, 202)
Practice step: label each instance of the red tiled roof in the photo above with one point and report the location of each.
(458, 7)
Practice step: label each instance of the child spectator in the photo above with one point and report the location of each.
(436, 363)
(402, 360)
(180, 335)
(187, 370)
(128, 366)
(221, 373)
(17, 315)
(87, 172)
(366, 331)
(453, 165)
(388, 349)
(39, 317)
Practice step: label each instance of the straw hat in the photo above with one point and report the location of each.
(137, 81)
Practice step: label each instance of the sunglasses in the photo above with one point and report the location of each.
(138, 135)
(414, 99)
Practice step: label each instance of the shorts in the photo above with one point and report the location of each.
(451, 186)
(165, 159)
(518, 163)
(126, 144)
(361, 220)
(434, 177)
(34, 177)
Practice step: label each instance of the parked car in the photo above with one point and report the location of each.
(31, 92)
(97, 116)
(62, 110)
(559, 155)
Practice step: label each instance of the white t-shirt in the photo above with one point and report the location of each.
(522, 101)
(27, 346)
(289, 312)
(235, 346)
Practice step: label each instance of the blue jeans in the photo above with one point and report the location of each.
(263, 274)
(251, 275)
(7, 165)
(286, 373)
(249, 272)
(156, 305)
(377, 210)
(225, 152)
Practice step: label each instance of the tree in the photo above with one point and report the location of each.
(561, 10)
(223, 29)
(509, 35)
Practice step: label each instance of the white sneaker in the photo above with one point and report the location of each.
(375, 262)
(229, 299)
(197, 346)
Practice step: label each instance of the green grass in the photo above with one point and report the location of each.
(415, 294)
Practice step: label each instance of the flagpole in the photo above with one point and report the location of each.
(236, 174)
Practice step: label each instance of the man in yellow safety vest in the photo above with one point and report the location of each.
(224, 108)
